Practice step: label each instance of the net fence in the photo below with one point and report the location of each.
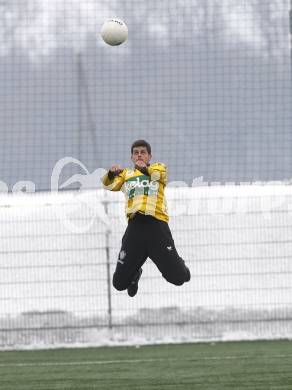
(208, 84)
(58, 253)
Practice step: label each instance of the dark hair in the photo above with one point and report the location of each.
(141, 142)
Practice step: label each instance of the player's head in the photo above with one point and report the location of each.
(141, 150)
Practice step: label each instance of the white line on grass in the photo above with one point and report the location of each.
(137, 361)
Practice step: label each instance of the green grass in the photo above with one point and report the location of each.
(240, 365)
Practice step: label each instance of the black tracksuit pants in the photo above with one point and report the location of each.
(144, 237)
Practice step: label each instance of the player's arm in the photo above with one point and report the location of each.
(158, 172)
(114, 179)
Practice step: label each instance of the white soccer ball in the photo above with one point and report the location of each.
(114, 32)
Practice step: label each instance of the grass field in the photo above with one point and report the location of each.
(239, 365)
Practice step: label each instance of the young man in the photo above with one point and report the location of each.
(147, 233)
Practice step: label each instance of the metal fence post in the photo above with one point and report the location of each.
(108, 270)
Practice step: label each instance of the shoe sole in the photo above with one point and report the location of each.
(134, 285)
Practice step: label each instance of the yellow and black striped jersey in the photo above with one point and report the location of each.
(144, 193)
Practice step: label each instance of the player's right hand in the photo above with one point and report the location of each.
(116, 169)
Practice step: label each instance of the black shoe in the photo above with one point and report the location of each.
(188, 275)
(133, 287)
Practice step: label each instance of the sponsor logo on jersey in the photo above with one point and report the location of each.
(141, 185)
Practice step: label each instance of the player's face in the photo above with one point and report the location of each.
(140, 153)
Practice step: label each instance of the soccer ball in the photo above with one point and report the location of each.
(114, 32)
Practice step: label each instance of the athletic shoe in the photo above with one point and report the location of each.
(188, 275)
(133, 288)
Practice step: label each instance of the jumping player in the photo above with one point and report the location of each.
(147, 233)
